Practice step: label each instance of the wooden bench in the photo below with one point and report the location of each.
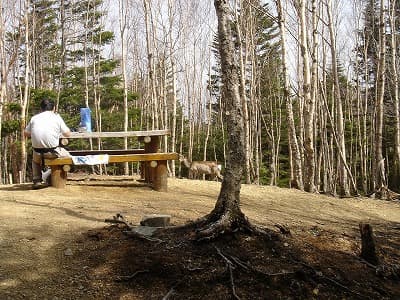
(156, 174)
(153, 167)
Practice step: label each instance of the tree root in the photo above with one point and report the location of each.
(230, 266)
(320, 276)
(130, 277)
(231, 263)
(226, 225)
(214, 229)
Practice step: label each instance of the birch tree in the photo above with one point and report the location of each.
(395, 78)
(3, 81)
(379, 163)
(295, 157)
(122, 27)
(309, 101)
(25, 98)
(227, 215)
(342, 163)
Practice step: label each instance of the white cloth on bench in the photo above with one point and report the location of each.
(90, 159)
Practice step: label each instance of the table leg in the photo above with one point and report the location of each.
(160, 182)
(151, 147)
(58, 177)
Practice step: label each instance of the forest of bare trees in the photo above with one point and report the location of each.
(318, 84)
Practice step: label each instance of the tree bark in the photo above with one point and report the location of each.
(227, 214)
(296, 174)
(24, 104)
(309, 104)
(122, 27)
(380, 175)
(395, 79)
(3, 82)
(342, 173)
(243, 54)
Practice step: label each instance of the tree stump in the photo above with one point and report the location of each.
(368, 251)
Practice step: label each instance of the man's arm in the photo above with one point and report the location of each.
(67, 133)
(27, 133)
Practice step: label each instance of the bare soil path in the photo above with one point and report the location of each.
(54, 244)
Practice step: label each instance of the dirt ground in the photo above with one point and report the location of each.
(54, 244)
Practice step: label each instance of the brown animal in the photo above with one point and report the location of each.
(197, 168)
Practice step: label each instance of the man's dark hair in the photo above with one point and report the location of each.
(46, 104)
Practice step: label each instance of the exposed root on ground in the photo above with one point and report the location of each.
(212, 227)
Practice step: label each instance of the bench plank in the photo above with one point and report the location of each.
(110, 152)
(95, 134)
(118, 158)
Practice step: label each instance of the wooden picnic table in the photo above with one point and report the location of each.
(154, 164)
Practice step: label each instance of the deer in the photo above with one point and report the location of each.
(201, 167)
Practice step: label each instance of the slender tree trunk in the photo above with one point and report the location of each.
(309, 104)
(243, 52)
(24, 104)
(122, 27)
(380, 174)
(173, 129)
(365, 135)
(297, 175)
(395, 79)
(63, 52)
(343, 184)
(227, 214)
(151, 64)
(3, 82)
(208, 117)
(85, 55)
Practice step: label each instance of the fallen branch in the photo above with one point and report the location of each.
(170, 293)
(248, 267)
(141, 236)
(119, 219)
(130, 277)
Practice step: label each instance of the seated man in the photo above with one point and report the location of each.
(45, 130)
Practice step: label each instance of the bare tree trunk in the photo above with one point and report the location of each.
(150, 64)
(3, 82)
(63, 53)
(227, 215)
(242, 63)
(208, 117)
(173, 129)
(309, 104)
(24, 104)
(122, 27)
(171, 7)
(85, 55)
(343, 184)
(297, 175)
(395, 79)
(364, 111)
(380, 174)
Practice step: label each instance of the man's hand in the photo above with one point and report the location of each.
(66, 134)
(27, 134)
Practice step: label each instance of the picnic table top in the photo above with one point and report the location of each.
(104, 134)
